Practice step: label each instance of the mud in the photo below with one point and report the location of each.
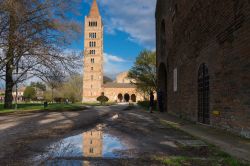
(103, 136)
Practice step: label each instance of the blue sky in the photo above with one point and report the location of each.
(129, 27)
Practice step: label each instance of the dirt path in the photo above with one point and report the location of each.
(116, 135)
(16, 131)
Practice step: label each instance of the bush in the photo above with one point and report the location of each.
(102, 99)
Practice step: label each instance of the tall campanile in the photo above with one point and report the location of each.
(93, 55)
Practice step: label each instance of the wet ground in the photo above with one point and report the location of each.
(122, 136)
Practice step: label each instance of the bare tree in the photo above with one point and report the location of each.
(33, 35)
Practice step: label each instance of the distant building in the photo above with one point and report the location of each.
(20, 92)
(203, 61)
(93, 85)
(1, 96)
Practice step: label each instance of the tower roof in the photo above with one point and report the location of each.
(94, 11)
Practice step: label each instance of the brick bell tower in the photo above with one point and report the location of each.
(93, 55)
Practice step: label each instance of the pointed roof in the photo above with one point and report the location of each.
(94, 11)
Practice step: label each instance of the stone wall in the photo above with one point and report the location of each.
(122, 78)
(214, 32)
(112, 94)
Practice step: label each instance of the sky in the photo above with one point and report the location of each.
(129, 27)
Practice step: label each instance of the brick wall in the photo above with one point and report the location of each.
(217, 33)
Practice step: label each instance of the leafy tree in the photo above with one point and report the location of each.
(72, 88)
(64, 88)
(38, 85)
(33, 34)
(102, 99)
(143, 73)
(54, 82)
(29, 93)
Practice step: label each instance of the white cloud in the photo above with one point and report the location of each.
(134, 17)
(114, 65)
(112, 58)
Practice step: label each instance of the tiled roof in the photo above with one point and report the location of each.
(118, 85)
(94, 11)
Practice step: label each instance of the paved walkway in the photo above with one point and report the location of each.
(227, 142)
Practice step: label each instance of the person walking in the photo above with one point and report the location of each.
(151, 102)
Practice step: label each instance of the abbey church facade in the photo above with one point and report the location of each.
(120, 90)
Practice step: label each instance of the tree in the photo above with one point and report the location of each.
(29, 93)
(72, 88)
(33, 34)
(143, 73)
(38, 86)
(102, 99)
(54, 81)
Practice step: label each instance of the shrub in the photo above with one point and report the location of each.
(102, 99)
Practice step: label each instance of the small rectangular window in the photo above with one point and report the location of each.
(175, 80)
(91, 150)
(92, 60)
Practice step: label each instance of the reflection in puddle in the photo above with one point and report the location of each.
(91, 144)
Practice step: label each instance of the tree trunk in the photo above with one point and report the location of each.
(9, 83)
(9, 87)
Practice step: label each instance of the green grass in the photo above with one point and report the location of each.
(187, 161)
(25, 107)
(99, 104)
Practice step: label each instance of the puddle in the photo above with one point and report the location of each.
(95, 143)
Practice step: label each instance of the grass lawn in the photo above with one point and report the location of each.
(99, 104)
(25, 107)
(216, 158)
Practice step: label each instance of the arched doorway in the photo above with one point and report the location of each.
(203, 95)
(133, 98)
(162, 87)
(126, 97)
(120, 97)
